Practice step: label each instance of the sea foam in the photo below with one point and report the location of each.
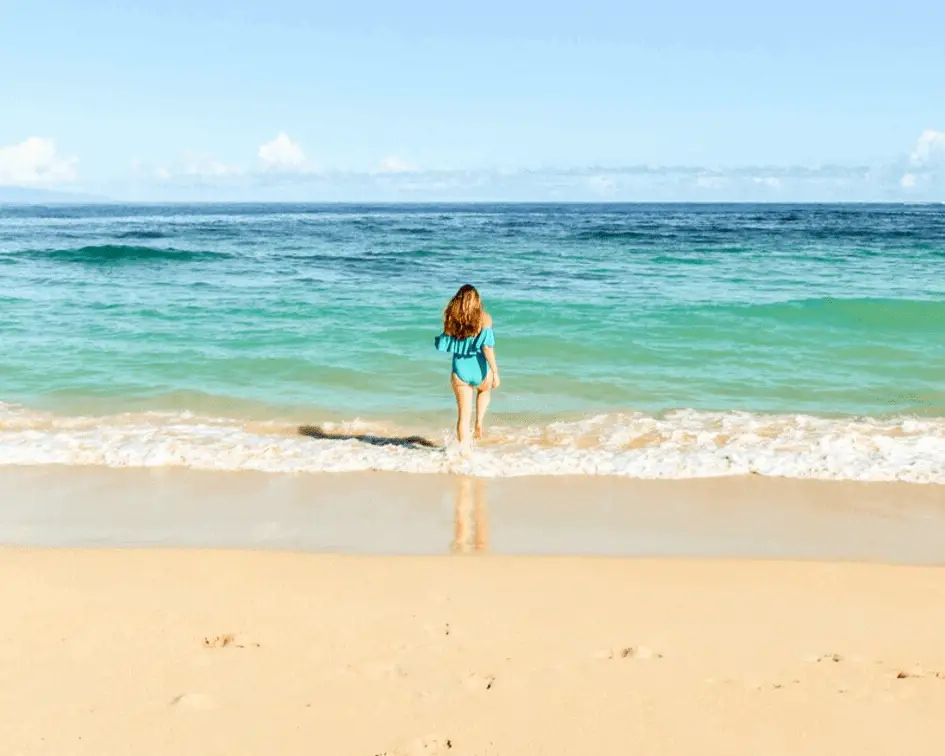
(682, 444)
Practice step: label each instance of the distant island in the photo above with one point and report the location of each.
(21, 195)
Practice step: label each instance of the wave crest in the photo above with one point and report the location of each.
(114, 254)
(684, 444)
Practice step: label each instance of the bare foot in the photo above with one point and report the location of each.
(477, 433)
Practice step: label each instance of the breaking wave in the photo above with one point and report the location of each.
(682, 444)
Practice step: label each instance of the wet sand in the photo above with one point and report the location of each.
(383, 513)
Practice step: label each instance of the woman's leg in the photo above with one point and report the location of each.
(482, 404)
(464, 400)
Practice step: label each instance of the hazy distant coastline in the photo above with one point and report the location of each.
(21, 195)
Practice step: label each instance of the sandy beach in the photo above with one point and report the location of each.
(405, 614)
(240, 652)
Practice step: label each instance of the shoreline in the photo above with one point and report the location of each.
(404, 514)
(683, 445)
(219, 652)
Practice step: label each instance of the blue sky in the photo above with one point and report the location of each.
(412, 100)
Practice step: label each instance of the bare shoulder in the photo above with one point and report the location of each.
(486, 320)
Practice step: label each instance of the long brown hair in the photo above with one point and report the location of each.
(463, 315)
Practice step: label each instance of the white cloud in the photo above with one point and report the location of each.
(162, 174)
(34, 161)
(769, 181)
(395, 164)
(282, 154)
(907, 181)
(929, 148)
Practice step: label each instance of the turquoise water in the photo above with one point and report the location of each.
(624, 317)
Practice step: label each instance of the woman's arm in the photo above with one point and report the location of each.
(489, 354)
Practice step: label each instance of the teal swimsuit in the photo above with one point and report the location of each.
(469, 363)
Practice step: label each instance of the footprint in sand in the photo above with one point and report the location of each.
(193, 702)
(916, 672)
(475, 681)
(431, 745)
(835, 658)
(225, 641)
(629, 652)
(219, 641)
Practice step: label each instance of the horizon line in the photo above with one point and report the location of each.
(421, 203)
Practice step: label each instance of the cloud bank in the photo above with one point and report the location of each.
(281, 170)
(34, 162)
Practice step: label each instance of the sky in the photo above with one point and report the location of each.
(285, 100)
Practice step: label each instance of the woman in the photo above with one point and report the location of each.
(467, 335)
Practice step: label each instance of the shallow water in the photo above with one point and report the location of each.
(654, 341)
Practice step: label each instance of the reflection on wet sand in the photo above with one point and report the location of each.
(471, 532)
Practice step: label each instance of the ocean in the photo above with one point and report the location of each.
(655, 341)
